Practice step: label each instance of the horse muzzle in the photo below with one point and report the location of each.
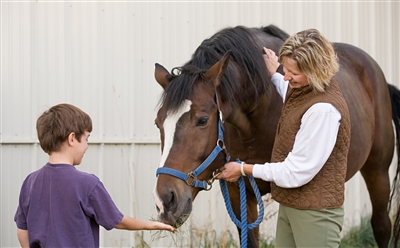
(173, 209)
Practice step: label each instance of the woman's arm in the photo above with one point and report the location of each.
(313, 144)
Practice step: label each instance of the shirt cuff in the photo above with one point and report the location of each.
(262, 171)
(276, 77)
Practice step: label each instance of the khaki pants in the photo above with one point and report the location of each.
(309, 228)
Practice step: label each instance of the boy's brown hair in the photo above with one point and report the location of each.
(54, 126)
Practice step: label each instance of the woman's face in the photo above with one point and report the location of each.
(293, 75)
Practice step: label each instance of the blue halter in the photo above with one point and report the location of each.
(191, 177)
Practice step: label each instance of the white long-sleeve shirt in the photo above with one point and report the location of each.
(313, 144)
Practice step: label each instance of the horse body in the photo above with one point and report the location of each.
(372, 138)
(227, 79)
(364, 87)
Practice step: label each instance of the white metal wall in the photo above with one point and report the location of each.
(100, 56)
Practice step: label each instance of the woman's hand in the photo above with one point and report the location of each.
(271, 61)
(230, 172)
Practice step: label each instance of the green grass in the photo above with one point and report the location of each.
(358, 236)
(212, 239)
(266, 243)
(361, 236)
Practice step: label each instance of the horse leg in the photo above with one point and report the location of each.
(378, 185)
(252, 212)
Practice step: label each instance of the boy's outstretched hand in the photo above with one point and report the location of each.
(129, 223)
(163, 226)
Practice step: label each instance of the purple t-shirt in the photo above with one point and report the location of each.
(61, 206)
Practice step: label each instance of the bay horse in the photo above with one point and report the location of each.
(225, 86)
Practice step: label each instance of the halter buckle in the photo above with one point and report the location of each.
(190, 179)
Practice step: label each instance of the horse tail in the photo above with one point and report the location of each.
(395, 194)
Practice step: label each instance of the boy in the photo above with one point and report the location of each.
(60, 206)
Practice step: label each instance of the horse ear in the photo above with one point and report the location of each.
(218, 69)
(162, 76)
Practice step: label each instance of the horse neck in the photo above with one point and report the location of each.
(250, 136)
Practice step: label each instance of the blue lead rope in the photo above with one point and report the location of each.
(244, 226)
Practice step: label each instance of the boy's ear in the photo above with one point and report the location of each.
(71, 138)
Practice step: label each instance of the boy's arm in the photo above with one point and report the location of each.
(23, 237)
(129, 223)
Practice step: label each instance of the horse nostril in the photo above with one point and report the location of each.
(158, 209)
(170, 203)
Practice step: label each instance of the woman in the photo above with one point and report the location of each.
(308, 165)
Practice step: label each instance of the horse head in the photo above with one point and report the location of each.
(224, 83)
(191, 138)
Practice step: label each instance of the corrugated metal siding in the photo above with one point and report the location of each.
(100, 57)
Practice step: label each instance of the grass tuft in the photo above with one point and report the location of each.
(359, 236)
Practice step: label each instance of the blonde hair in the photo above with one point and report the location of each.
(314, 56)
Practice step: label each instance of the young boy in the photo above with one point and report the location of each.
(60, 206)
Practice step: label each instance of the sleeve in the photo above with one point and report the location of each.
(20, 217)
(102, 208)
(312, 147)
(280, 84)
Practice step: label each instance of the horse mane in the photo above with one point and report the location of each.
(275, 31)
(244, 80)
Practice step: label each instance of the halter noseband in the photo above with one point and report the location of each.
(191, 177)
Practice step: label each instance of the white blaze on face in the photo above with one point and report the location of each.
(169, 133)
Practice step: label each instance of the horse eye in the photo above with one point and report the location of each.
(202, 121)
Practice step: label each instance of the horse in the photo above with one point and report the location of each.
(225, 86)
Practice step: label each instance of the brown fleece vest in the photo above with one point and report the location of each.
(326, 189)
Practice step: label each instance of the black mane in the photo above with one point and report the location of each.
(275, 31)
(245, 78)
